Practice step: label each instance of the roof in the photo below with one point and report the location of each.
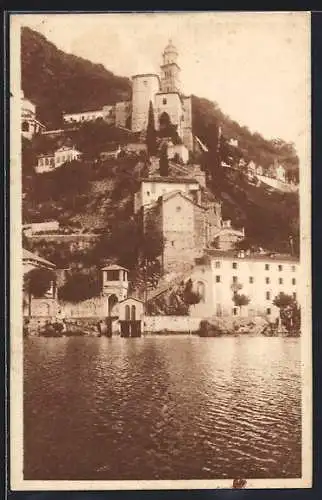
(26, 255)
(82, 112)
(146, 74)
(235, 254)
(131, 298)
(168, 196)
(113, 267)
(170, 180)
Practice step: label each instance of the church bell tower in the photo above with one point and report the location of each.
(170, 70)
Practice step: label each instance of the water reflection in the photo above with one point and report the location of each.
(162, 408)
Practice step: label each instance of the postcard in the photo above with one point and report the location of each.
(160, 251)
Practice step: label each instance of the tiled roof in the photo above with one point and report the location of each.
(113, 267)
(235, 254)
(26, 255)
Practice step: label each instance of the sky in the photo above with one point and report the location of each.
(256, 66)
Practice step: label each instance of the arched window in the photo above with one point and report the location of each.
(133, 313)
(127, 313)
(201, 290)
(25, 126)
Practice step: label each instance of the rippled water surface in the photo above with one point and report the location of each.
(162, 408)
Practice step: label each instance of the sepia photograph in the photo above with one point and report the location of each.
(160, 250)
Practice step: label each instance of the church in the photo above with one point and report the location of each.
(163, 91)
(169, 104)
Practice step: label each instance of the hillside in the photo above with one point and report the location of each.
(94, 198)
(59, 82)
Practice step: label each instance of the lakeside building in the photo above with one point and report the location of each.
(29, 123)
(261, 277)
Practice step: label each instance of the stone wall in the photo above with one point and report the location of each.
(174, 324)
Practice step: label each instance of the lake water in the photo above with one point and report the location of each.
(162, 408)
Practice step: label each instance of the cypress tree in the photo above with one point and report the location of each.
(164, 163)
(151, 141)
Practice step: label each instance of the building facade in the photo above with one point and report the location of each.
(164, 92)
(51, 161)
(29, 123)
(260, 277)
(152, 188)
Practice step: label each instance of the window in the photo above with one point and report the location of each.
(148, 193)
(124, 275)
(235, 279)
(153, 188)
(217, 264)
(294, 296)
(293, 269)
(218, 310)
(172, 243)
(266, 267)
(293, 281)
(280, 267)
(217, 279)
(164, 101)
(235, 310)
(133, 313)
(145, 83)
(82, 117)
(112, 275)
(268, 296)
(251, 279)
(267, 281)
(268, 311)
(178, 209)
(280, 281)
(234, 265)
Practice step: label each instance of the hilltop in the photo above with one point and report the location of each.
(58, 82)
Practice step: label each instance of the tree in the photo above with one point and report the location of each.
(290, 312)
(37, 282)
(240, 300)
(151, 137)
(80, 285)
(164, 162)
(190, 297)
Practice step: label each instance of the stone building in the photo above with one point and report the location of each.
(164, 91)
(167, 99)
(183, 225)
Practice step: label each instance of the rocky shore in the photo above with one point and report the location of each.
(214, 327)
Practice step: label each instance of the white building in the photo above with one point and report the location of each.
(152, 188)
(260, 277)
(29, 124)
(51, 161)
(84, 116)
(40, 227)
